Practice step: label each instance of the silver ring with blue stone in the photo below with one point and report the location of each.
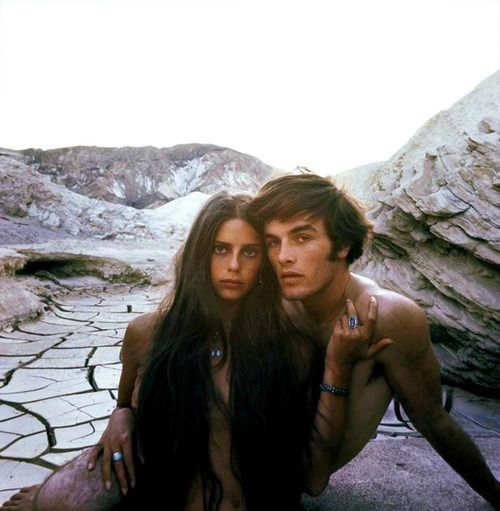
(353, 322)
(117, 456)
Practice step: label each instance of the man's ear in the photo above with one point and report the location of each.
(342, 253)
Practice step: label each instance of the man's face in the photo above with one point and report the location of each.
(299, 250)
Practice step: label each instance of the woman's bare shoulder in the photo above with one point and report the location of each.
(139, 334)
(144, 325)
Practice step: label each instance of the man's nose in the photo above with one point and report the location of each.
(285, 255)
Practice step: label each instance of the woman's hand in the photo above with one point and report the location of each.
(350, 341)
(117, 437)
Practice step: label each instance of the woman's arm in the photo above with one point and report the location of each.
(118, 435)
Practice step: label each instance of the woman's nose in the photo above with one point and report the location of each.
(234, 264)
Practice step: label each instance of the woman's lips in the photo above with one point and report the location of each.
(290, 276)
(231, 283)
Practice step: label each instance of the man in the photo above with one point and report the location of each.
(313, 232)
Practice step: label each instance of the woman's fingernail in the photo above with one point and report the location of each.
(132, 483)
(372, 299)
(90, 466)
(124, 491)
(108, 485)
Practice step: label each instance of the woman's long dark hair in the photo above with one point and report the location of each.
(270, 409)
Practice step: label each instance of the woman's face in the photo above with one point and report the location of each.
(236, 259)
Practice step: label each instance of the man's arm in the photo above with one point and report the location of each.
(345, 348)
(413, 372)
(328, 430)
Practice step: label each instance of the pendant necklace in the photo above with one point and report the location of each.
(217, 351)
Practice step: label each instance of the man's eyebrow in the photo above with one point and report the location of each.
(303, 227)
(295, 230)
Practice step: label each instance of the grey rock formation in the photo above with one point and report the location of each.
(436, 208)
(147, 176)
(30, 201)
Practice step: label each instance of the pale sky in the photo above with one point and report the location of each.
(326, 84)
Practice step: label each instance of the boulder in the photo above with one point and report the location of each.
(17, 303)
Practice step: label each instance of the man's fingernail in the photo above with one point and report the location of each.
(90, 466)
(132, 483)
(124, 491)
(108, 485)
(372, 299)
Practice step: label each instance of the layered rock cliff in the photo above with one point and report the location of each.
(436, 208)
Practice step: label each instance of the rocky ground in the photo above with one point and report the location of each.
(59, 375)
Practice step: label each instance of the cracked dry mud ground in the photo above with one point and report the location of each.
(58, 378)
(59, 375)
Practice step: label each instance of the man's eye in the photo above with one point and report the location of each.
(303, 239)
(272, 243)
(220, 249)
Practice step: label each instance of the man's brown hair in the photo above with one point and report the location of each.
(289, 196)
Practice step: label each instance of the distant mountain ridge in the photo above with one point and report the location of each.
(147, 177)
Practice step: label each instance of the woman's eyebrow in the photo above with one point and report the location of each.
(227, 244)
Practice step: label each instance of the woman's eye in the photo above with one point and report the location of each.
(250, 252)
(220, 249)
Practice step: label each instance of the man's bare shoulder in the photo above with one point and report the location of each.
(398, 317)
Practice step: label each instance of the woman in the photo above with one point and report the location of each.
(228, 410)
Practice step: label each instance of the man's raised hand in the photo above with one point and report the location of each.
(351, 340)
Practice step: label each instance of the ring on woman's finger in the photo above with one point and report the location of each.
(117, 456)
(353, 321)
